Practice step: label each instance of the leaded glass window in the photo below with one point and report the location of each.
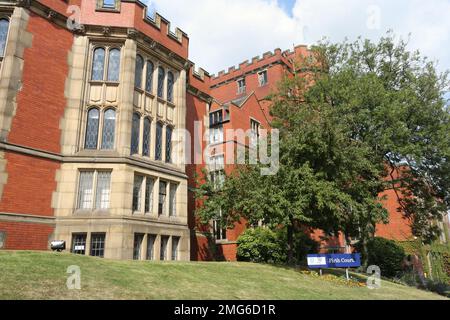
(161, 76)
(98, 245)
(92, 129)
(138, 74)
(4, 27)
(168, 144)
(170, 83)
(137, 188)
(114, 65)
(136, 128)
(146, 138)
(103, 190)
(109, 129)
(86, 190)
(98, 64)
(158, 150)
(149, 77)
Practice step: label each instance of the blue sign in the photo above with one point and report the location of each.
(322, 261)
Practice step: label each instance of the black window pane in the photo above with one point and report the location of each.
(149, 77)
(79, 244)
(138, 74)
(161, 76)
(98, 245)
(164, 245)
(92, 129)
(136, 127)
(168, 144)
(138, 239)
(162, 197)
(98, 64)
(137, 187)
(146, 138)
(158, 149)
(109, 130)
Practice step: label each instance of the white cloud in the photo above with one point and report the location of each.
(226, 32)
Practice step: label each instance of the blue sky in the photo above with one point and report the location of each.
(287, 5)
(224, 33)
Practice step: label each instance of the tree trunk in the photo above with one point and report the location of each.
(290, 240)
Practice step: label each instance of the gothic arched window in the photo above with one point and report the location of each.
(114, 65)
(98, 64)
(92, 129)
(161, 76)
(158, 145)
(170, 83)
(109, 129)
(135, 129)
(138, 74)
(169, 131)
(149, 76)
(146, 138)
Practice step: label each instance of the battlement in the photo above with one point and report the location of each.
(258, 62)
(155, 19)
(134, 14)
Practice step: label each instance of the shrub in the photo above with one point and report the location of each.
(386, 254)
(260, 245)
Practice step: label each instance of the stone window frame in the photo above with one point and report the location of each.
(95, 172)
(103, 242)
(144, 203)
(241, 89)
(143, 117)
(265, 71)
(101, 7)
(108, 47)
(7, 16)
(101, 122)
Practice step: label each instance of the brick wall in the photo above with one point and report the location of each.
(26, 236)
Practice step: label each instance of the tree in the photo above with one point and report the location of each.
(357, 119)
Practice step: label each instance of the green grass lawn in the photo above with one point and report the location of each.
(42, 275)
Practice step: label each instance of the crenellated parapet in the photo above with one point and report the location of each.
(257, 63)
(199, 82)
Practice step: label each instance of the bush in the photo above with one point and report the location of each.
(264, 245)
(386, 254)
(260, 245)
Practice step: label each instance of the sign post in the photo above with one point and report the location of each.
(331, 261)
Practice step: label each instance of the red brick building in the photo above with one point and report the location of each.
(94, 98)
